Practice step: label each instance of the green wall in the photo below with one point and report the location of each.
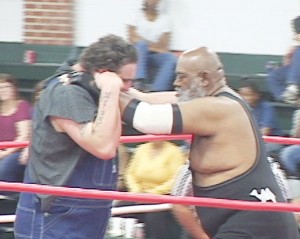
(14, 52)
(246, 63)
(49, 58)
(233, 63)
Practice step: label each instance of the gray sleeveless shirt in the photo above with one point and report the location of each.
(53, 155)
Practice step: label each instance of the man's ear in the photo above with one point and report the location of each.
(204, 76)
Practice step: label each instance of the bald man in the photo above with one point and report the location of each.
(227, 157)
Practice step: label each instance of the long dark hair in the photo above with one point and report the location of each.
(109, 53)
(12, 80)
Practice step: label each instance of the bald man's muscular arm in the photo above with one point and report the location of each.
(150, 118)
(167, 118)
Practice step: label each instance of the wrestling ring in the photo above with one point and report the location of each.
(158, 202)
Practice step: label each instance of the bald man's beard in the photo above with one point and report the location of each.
(194, 91)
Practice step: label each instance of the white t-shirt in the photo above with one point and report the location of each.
(150, 30)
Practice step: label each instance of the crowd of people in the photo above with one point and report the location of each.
(75, 123)
(283, 82)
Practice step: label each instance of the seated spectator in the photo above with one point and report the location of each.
(263, 111)
(150, 32)
(278, 75)
(290, 156)
(291, 93)
(123, 164)
(152, 169)
(15, 125)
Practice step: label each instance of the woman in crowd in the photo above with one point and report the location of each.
(152, 169)
(15, 125)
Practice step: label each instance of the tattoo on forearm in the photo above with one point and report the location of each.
(100, 116)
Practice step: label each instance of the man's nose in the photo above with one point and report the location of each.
(176, 82)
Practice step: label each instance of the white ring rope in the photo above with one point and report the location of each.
(115, 211)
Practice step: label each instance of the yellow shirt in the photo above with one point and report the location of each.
(152, 171)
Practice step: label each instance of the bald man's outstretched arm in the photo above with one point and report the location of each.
(157, 117)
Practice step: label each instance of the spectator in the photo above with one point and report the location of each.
(150, 32)
(290, 161)
(290, 156)
(278, 75)
(152, 169)
(291, 93)
(263, 111)
(15, 125)
(123, 164)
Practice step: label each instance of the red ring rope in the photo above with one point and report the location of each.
(142, 138)
(115, 195)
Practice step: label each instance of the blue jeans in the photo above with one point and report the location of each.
(66, 217)
(10, 168)
(290, 158)
(164, 64)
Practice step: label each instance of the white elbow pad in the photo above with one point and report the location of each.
(153, 118)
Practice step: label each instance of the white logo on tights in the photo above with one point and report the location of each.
(265, 195)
